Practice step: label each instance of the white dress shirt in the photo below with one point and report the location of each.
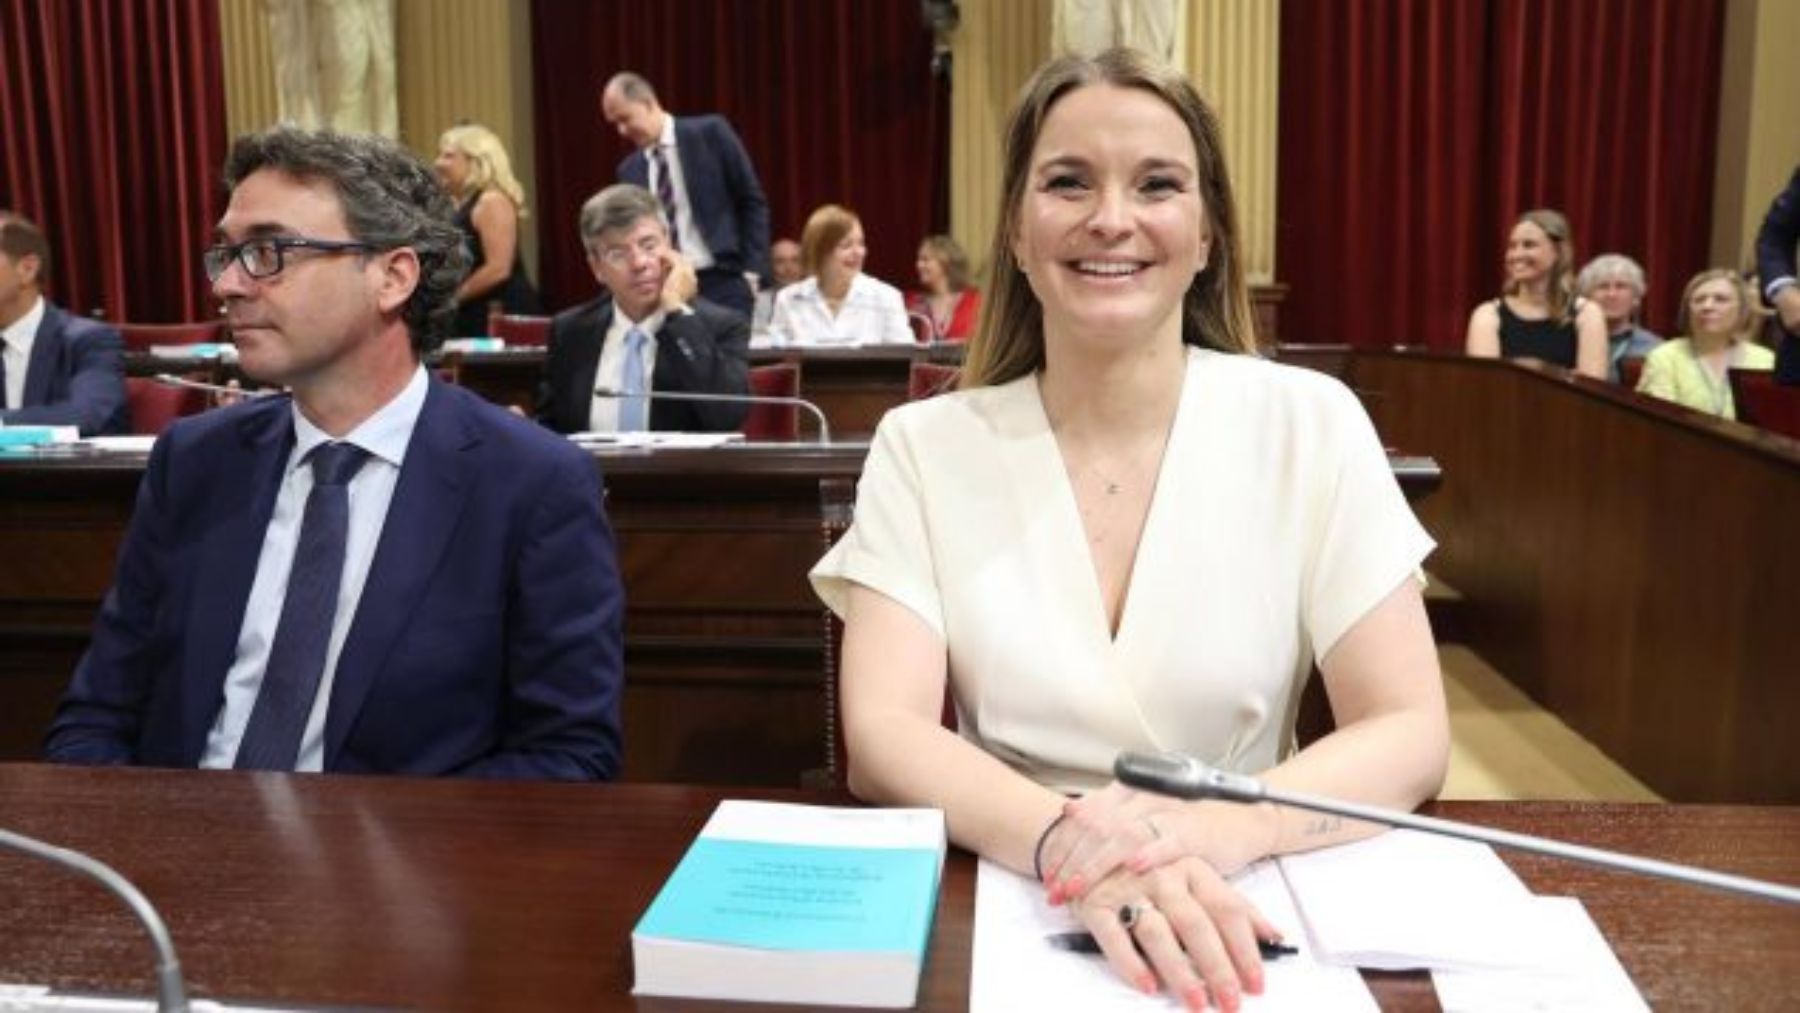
(603, 414)
(693, 244)
(385, 435)
(18, 339)
(873, 313)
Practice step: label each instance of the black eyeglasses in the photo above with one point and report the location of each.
(265, 256)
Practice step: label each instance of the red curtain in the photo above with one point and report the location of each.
(112, 131)
(835, 102)
(1413, 132)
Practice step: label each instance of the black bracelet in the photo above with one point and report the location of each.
(1037, 853)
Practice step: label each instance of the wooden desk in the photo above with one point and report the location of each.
(724, 639)
(522, 896)
(1631, 564)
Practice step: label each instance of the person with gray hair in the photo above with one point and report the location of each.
(1616, 284)
(699, 170)
(479, 634)
(648, 331)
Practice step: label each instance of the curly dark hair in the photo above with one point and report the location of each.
(391, 199)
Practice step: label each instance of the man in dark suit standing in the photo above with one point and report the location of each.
(55, 369)
(648, 332)
(697, 167)
(378, 572)
(1775, 243)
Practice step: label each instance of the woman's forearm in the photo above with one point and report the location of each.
(991, 809)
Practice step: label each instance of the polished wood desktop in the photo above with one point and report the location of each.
(1630, 564)
(724, 638)
(346, 891)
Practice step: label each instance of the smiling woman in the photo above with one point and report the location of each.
(1184, 530)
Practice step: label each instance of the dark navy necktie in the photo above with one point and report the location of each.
(665, 192)
(297, 657)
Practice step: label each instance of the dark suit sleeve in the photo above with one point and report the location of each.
(94, 361)
(1780, 231)
(565, 654)
(554, 356)
(747, 198)
(98, 718)
(707, 352)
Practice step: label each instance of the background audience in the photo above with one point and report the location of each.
(1538, 316)
(474, 166)
(56, 369)
(1718, 317)
(1616, 284)
(945, 296)
(837, 303)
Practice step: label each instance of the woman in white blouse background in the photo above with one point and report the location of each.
(837, 303)
(1125, 533)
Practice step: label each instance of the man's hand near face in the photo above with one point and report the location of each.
(680, 283)
(1787, 304)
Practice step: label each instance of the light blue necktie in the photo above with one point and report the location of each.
(297, 656)
(634, 412)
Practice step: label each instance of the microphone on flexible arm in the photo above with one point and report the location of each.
(171, 380)
(1185, 777)
(171, 992)
(748, 399)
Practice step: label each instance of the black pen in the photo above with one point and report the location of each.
(1084, 942)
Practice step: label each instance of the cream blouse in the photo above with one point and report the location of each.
(1275, 525)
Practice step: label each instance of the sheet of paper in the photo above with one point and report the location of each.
(1404, 900)
(656, 439)
(1015, 968)
(122, 444)
(1580, 972)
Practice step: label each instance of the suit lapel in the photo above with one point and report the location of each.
(590, 336)
(46, 348)
(237, 515)
(428, 501)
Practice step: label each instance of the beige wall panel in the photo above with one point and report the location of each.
(1758, 144)
(1231, 51)
(997, 46)
(250, 102)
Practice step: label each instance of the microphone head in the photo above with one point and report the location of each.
(1183, 777)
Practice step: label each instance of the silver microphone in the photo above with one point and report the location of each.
(171, 380)
(1185, 777)
(749, 399)
(171, 992)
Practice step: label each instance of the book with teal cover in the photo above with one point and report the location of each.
(790, 903)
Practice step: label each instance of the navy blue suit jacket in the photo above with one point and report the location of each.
(487, 641)
(1775, 243)
(76, 377)
(728, 203)
(703, 352)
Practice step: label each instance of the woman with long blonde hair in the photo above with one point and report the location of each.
(474, 167)
(1126, 532)
(1538, 316)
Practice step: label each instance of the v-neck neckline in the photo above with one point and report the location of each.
(1075, 535)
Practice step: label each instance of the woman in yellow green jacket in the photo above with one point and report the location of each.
(1718, 315)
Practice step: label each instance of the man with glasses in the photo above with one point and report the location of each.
(55, 369)
(374, 572)
(647, 333)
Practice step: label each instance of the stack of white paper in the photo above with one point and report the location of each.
(1404, 900)
(1016, 968)
(656, 439)
(1578, 973)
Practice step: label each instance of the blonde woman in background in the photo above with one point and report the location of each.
(1538, 317)
(474, 167)
(837, 303)
(1718, 315)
